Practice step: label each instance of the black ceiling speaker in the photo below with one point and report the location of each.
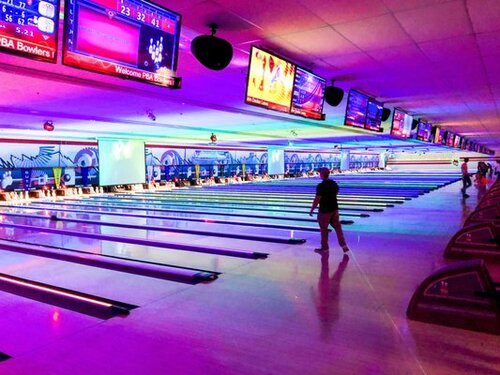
(211, 51)
(385, 114)
(334, 95)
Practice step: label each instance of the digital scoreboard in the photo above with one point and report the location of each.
(29, 28)
(127, 38)
(308, 95)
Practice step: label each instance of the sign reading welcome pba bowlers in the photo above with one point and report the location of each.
(29, 28)
(127, 38)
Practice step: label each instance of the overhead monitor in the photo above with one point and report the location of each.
(374, 115)
(270, 81)
(464, 144)
(355, 113)
(401, 123)
(132, 39)
(308, 95)
(121, 161)
(438, 136)
(29, 28)
(449, 139)
(424, 131)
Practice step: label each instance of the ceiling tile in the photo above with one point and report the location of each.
(489, 43)
(461, 47)
(352, 61)
(404, 56)
(281, 47)
(322, 42)
(492, 65)
(374, 33)
(484, 14)
(341, 11)
(396, 5)
(275, 17)
(353, 64)
(231, 27)
(440, 21)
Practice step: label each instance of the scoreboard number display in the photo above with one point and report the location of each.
(29, 28)
(132, 39)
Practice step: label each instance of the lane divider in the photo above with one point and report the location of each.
(132, 266)
(89, 304)
(141, 241)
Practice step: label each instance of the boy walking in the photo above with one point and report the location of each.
(326, 197)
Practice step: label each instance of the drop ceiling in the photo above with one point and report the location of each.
(439, 60)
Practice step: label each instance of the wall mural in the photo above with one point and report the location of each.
(35, 165)
(167, 162)
(304, 162)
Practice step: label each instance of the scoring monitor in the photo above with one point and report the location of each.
(127, 38)
(29, 28)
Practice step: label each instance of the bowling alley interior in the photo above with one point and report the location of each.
(164, 198)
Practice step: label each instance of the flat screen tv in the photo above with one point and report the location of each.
(308, 95)
(29, 28)
(464, 144)
(270, 81)
(373, 115)
(424, 131)
(355, 112)
(449, 139)
(438, 135)
(132, 39)
(401, 123)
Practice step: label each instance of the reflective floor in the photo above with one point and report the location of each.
(296, 312)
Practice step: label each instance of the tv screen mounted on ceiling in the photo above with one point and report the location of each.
(355, 113)
(449, 139)
(270, 81)
(373, 115)
(401, 123)
(308, 95)
(133, 39)
(424, 131)
(29, 28)
(438, 136)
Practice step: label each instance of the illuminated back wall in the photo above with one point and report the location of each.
(121, 162)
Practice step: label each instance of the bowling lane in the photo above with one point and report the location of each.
(276, 220)
(160, 202)
(92, 280)
(178, 258)
(231, 196)
(29, 324)
(203, 227)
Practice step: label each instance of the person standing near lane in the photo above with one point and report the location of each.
(465, 178)
(326, 198)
